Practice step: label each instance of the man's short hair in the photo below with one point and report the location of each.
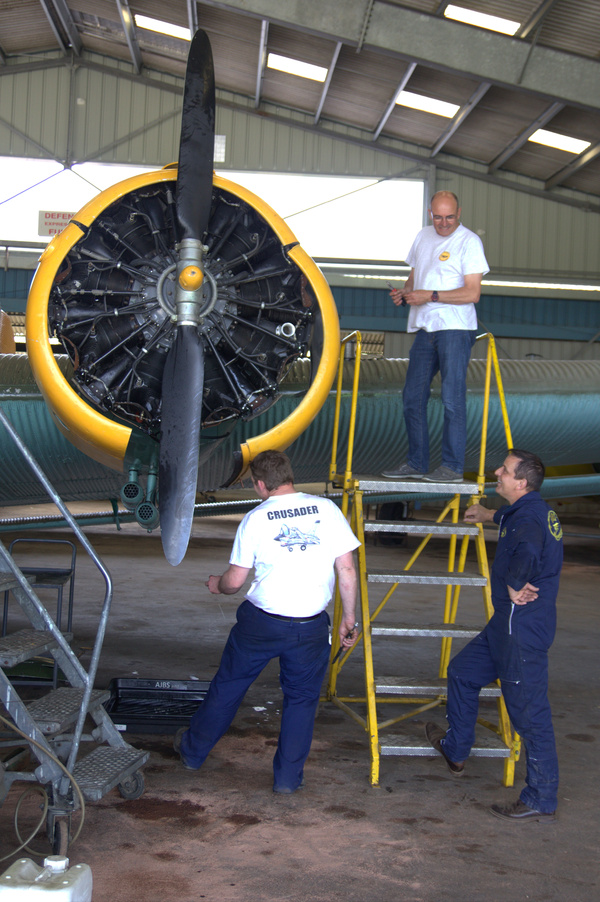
(273, 468)
(529, 468)
(444, 194)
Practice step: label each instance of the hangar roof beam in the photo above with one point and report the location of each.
(66, 20)
(582, 160)
(390, 107)
(535, 19)
(130, 35)
(262, 60)
(327, 82)
(510, 149)
(462, 114)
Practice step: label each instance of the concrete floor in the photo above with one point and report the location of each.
(421, 836)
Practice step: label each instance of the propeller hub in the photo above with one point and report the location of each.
(191, 278)
(190, 275)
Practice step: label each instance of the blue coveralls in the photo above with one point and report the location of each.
(302, 647)
(513, 647)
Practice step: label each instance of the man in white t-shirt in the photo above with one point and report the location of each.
(296, 543)
(447, 264)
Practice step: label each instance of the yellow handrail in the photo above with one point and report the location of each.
(491, 362)
(338, 402)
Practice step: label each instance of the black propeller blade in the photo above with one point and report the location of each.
(183, 377)
(196, 148)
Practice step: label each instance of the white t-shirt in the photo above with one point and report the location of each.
(440, 264)
(292, 542)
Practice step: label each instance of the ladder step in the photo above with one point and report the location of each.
(431, 579)
(415, 486)
(432, 631)
(436, 687)
(26, 644)
(59, 709)
(105, 768)
(421, 527)
(8, 581)
(486, 747)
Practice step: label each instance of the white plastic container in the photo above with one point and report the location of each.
(27, 880)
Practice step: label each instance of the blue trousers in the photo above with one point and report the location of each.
(303, 651)
(447, 352)
(523, 673)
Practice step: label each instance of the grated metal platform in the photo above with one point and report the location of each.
(104, 768)
(60, 709)
(25, 644)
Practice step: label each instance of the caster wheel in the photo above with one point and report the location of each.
(132, 787)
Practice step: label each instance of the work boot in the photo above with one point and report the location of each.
(435, 735)
(519, 811)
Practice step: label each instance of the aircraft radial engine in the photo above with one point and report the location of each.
(182, 300)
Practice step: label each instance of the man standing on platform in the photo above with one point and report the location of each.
(447, 264)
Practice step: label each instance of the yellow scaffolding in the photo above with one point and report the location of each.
(352, 507)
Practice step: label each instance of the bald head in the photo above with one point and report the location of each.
(445, 212)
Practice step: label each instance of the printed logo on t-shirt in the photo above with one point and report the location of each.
(292, 512)
(291, 537)
(554, 526)
(445, 255)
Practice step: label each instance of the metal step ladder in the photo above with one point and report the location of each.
(499, 739)
(55, 728)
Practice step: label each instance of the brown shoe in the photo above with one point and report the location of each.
(435, 735)
(519, 811)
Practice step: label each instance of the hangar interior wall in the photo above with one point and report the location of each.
(96, 109)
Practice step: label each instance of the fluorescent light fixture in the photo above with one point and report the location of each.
(561, 142)
(481, 20)
(554, 286)
(495, 283)
(296, 67)
(174, 31)
(427, 104)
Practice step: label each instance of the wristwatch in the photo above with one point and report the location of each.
(434, 296)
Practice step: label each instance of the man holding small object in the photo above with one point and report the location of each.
(296, 543)
(447, 264)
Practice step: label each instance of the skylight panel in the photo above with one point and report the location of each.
(174, 31)
(296, 67)
(561, 142)
(481, 20)
(427, 104)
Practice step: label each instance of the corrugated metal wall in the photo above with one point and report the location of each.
(96, 111)
(528, 235)
(36, 105)
(85, 113)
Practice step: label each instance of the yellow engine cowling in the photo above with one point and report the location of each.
(103, 287)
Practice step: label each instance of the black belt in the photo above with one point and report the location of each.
(293, 619)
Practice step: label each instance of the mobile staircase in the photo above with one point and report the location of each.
(421, 695)
(54, 727)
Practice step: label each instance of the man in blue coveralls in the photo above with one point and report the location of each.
(296, 544)
(514, 645)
